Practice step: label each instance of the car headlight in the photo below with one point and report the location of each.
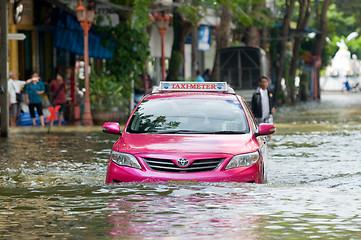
(124, 159)
(243, 160)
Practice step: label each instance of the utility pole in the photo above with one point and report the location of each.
(4, 121)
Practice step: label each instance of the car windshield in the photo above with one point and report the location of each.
(189, 116)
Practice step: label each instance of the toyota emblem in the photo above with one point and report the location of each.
(183, 162)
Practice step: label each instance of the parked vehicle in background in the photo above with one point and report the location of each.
(241, 67)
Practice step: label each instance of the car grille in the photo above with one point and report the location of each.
(199, 165)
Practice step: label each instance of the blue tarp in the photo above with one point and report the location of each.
(26, 120)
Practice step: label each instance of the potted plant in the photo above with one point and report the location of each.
(107, 101)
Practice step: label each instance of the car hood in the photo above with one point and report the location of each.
(158, 143)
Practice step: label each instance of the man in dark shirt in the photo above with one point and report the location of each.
(263, 102)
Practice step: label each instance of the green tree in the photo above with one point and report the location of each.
(341, 24)
(248, 17)
(285, 28)
(303, 17)
(321, 38)
(223, 37)
(185, 17)
(131, 51)
(350, 8)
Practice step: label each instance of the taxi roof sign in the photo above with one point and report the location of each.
(195, 86)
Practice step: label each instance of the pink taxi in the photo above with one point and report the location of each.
(190, 131)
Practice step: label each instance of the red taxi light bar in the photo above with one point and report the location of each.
(195, 86)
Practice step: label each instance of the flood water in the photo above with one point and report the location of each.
(52, 186)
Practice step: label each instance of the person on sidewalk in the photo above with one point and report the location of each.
(15, 97)
(34, 91)
(58, 91)
(207, 75)
(199, 77)
(263, 102)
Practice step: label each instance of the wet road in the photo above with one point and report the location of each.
(52, 185)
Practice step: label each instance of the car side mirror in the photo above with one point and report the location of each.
(111, 127)
(266, 129)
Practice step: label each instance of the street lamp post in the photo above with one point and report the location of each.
(162, 20)
(85, 18)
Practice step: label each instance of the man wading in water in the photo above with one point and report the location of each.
(263, 102)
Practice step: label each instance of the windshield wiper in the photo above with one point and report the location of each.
(179, 132)
(229, 132)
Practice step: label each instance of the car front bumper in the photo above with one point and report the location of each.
(253, 174)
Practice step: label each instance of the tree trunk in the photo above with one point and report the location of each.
(303, 17)
(320, 40)
(284, 37)
(252, 36)
(194, 52)
(223, 39)
(182, 28)
(263, 38)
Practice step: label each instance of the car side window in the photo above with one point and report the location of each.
(250, 114)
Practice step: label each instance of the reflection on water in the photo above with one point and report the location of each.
(52, 185)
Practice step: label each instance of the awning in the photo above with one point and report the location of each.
(69, 36)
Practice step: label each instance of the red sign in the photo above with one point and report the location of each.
(193, 86)
(53, 112)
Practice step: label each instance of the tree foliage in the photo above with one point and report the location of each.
(251, 13)
(185, 18)
(140, 14)
(340, 23)
(131, 54)
(350, 8)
